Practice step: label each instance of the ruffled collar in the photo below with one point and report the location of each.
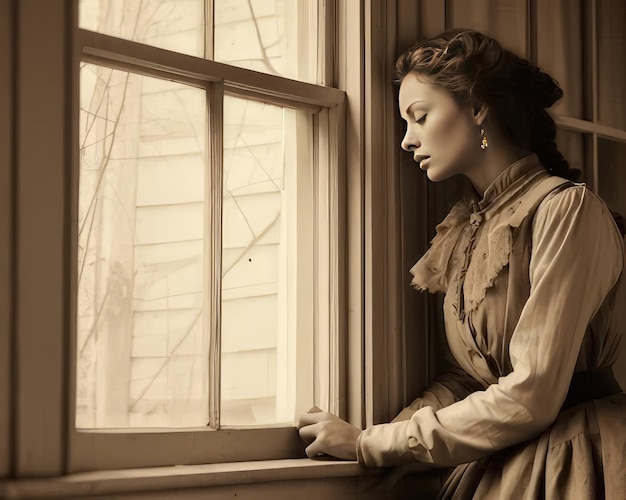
(505, 192)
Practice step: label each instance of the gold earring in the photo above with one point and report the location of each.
(483, 140)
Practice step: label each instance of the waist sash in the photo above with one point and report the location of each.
(590, 385)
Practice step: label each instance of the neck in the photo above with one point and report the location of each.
(492, 162)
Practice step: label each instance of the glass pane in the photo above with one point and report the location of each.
(576, 148)
(141, 316)
(560, 51)
(176, 25)
(267, 260)
(272, 36)
(612, 62)
(612, 174)
(505, 20)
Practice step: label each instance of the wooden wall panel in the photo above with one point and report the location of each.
(6, 231)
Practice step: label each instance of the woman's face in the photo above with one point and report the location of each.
(443, 135)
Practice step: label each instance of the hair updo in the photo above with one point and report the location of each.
(475, 68)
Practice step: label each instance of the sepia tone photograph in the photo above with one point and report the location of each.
(312, 249)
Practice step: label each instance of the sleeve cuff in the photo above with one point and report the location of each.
(384, 445)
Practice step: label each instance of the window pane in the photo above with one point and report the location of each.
(612, 174)
(267, 262)
(612, 187)
(176, 25)
(576, 148)
(272, 36)
(141, 319)
(612, 62)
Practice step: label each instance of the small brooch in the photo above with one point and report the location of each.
(475, 219)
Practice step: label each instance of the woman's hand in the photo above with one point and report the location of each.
(323, 432)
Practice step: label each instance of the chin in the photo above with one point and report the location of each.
(435, 176)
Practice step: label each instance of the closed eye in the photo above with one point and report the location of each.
(421, 120)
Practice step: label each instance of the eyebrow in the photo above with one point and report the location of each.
(408, 108)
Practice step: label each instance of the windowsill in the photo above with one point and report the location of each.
(110, 482)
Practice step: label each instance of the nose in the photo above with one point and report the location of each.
(410, 142)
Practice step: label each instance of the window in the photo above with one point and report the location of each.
(207, 216)
(337, 197)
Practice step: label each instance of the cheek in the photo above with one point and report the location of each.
(456, 149)
(461, 136)
(450, 129)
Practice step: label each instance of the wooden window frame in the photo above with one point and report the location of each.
(45, 442)
(372, 349)
(97, 449)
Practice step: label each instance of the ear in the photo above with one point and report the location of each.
(480, 112)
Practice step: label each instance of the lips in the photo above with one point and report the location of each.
(422, 160)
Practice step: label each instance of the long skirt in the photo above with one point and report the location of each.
(581, 456)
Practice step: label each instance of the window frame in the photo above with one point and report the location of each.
(39, 318)
(39, 402)
(44, 441)
(96, 449)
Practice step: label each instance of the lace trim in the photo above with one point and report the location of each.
(484, 255)
(490, 256)
(430, 272)
(492, 253)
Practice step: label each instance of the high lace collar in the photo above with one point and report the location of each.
(510, 183)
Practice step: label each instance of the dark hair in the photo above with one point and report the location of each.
(476, 69)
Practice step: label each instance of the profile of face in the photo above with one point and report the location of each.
(442, 134)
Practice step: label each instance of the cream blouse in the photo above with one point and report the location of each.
(529, 293)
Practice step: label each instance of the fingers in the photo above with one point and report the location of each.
(313, 418)
(311, 427)
(314, 450)
(309, 433)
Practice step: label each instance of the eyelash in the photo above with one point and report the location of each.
(421, 120)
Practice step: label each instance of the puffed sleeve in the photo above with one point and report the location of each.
(576, 259)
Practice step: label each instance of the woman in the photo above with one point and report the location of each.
(530, 264)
